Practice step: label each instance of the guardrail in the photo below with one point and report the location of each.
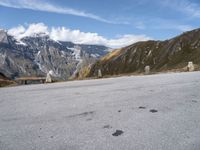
(25, 80)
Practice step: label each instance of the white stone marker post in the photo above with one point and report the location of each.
(99, 73)
(48, 78)
(147, 69)
(190, 66)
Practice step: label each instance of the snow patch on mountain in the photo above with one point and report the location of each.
(2, 58)
(19, 42)
(95, 55)
(76, 52)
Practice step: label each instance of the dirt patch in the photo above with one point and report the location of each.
(194, 101)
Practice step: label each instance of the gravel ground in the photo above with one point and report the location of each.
(155, 112)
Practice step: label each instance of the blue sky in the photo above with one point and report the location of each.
(116, 22)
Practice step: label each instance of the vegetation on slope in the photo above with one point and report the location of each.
(173, 54)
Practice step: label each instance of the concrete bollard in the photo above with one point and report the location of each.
(190, 66)
(48, 78)
(99, 73)
(147, 69)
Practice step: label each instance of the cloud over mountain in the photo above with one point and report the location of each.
(76, 36)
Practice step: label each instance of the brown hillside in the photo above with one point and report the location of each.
(173, 54)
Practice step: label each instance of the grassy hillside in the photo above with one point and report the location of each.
(169, 55)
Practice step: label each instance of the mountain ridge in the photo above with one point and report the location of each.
(171, 54)
(37, 55)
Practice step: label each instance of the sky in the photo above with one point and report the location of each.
(114, 23)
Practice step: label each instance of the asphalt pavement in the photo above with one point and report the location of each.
(152, 112)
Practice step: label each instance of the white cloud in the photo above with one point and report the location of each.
(48, 7)
(64, 34)
(127, 40)
(76, 36)
(185, 6)
(184, 27)
(17, 31)
(33, 29)
(174, 26)
(140, 25)
(159, 23)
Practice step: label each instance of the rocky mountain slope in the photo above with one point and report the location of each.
(38, 55)
(159, 55)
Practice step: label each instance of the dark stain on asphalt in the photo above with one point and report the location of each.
(194, 101)
(12, 119)
(142, 107)
(107, 127)
(117, 133)
(84, 114)
(153, 110)
(119, 110)
(89, 119)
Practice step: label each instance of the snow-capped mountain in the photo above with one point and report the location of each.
(38, 54)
